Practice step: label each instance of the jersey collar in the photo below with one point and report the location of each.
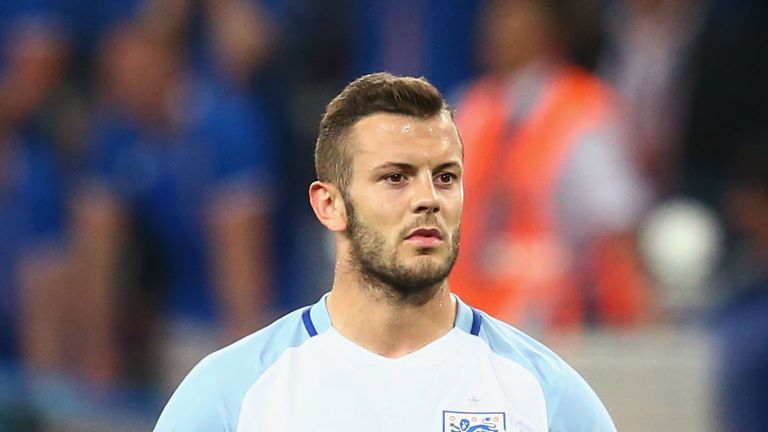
(317, 320)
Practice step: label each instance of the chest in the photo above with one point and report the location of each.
(459, 395)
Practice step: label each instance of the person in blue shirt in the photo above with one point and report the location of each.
(415, 37)
(190, 161)
(389, 347)
(741, 323)
(32, 254)
(33, 50)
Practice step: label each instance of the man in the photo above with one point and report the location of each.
(34, 304)
(184, 163)
(389, 348)
(741, 321)
(553, 199)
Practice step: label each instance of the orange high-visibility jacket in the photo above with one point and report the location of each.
(513, 262)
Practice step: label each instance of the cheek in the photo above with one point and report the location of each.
(453, 207)
(380, 214)
(386, 221)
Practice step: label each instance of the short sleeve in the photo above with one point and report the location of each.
(600, 188)
(209, 399)
(196, 404)
(42, 193)
(242, 143)
(572, 405)
(114, 159)
(578, 408)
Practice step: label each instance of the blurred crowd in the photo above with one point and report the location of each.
(155, 154)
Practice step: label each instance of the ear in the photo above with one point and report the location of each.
(328, 204)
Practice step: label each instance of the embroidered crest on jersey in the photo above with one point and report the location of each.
(459, 421)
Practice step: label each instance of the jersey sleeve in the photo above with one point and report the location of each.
(209, 399)
(196, 405)
(578, 409)
(572, 405)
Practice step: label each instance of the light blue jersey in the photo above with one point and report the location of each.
(300, 374)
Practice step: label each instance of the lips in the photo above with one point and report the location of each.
(426, 233)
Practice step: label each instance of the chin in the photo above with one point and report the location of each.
(428, 263)
(428, 267)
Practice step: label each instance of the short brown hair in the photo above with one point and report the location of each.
(374, 93)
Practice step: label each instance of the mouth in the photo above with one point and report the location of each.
(425, 237)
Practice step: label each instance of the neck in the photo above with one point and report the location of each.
(380, 320)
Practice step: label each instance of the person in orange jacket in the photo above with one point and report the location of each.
(552, 197)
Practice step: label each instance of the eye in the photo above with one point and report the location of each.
(447, 178)
(396, 178)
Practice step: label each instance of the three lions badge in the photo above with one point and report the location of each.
(457, 421)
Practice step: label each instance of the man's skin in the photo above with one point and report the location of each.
(406, 176)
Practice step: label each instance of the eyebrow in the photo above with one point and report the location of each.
(409, 167)
(447, 165)
(397, 165)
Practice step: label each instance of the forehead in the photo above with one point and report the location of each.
(401, 138)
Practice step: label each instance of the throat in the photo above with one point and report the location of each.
(390, 326)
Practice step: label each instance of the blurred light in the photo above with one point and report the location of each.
(681, 242)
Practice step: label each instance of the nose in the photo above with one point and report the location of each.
(425, 198)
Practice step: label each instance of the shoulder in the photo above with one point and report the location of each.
(585, 82)
(209, 398)
(572, 405)
(37, 162)
(511, 343)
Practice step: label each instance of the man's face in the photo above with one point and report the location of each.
(512, 34)
(405, 200)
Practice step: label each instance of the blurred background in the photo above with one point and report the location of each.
(155, 155)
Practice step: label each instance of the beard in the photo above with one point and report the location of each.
(380, 267)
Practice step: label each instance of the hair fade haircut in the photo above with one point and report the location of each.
(374, 93)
